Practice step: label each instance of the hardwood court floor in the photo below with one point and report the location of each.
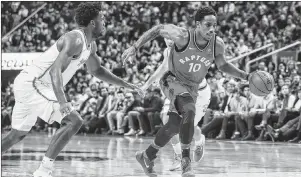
(108, 156)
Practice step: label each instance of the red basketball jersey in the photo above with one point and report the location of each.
(191, 65)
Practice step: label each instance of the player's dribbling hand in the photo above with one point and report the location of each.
(128, 55)
(66, 108)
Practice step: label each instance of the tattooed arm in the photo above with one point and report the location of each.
(177, 34)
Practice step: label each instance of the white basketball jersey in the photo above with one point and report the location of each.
(41, 66)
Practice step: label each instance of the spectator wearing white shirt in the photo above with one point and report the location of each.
(262, 107)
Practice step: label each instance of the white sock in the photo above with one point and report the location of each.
(200, 141)
(47, 162)
(177, 148)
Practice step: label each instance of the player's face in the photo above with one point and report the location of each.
(207, 26)
(100, 25)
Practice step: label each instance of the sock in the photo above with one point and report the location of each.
(47, 162)
(185, 150)
(199, 142)
(151, 151)
(177, 148)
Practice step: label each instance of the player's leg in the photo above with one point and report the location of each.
(11, 138)
(176, 145)
(23, 118)
(202, 103)
(69, 127)
(20, 127)
(185, 105)
(146, 158)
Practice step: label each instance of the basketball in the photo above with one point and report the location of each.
(261, 83)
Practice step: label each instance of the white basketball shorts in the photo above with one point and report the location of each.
(33, 99)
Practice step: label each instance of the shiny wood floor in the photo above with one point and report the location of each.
(108, 156)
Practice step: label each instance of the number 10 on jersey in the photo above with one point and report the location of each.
(194, 67)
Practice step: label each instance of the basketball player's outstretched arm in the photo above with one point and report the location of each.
(95, 68)
(159, 71)
(224, 65)
(69, 45)
(177, 34)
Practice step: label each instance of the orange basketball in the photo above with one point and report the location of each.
(261, 83)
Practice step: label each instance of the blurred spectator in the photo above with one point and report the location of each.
(117, 115)
(261, 108)
(151, 109)
(133, 116)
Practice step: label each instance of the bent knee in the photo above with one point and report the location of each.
(74, 119)
(185, 104)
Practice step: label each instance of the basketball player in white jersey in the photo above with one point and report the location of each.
(39, 89)
(203, 100)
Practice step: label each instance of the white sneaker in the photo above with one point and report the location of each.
(199, 150)
(176, 165)
(130, 133)
(43, 172)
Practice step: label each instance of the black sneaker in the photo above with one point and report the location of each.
(146, 164)
(186, 168)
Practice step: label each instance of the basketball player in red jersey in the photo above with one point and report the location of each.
(39, 89)
(191, 56)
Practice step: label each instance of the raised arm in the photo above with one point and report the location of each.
(224, 65)
(177, 34)
(95, 68)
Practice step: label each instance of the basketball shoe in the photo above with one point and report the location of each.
(186, 167)
(199, 150)
(176, 165)
(43, 172)
(147, 165)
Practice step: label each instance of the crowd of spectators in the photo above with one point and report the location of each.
(243, 26)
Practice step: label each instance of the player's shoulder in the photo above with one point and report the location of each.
(219, 45)
(75, 39)
(181, 31)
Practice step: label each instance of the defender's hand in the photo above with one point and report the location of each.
(128, 55)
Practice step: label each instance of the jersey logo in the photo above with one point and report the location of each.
(209, 51)
(196, 58)
(78, 41)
